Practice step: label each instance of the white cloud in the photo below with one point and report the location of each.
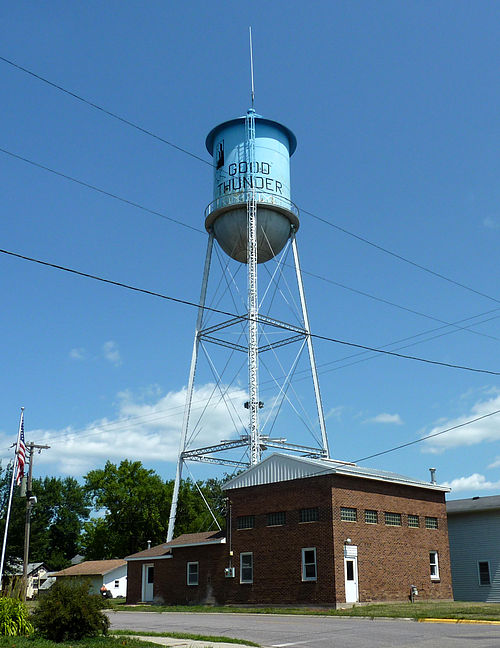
(77, 353)
(484, 430)
(472, 482)
(495, 464)
(147, 432)
(491, 223)
(111, 353)
(334, 412)
(392, 419)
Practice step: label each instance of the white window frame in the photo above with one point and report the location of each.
(434, 563)
(189, 574)
(304, 565)
(479, 573)
(243, 555)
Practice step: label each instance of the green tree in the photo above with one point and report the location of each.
(56, 519)
(133, 506)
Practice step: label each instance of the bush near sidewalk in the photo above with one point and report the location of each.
(69, 612)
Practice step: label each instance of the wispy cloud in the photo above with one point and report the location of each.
(111, 353)
(491, 223)
(147, 432)
(77, 354)
(388, 419)
(334, 412)
(485, 430)
(473, 482)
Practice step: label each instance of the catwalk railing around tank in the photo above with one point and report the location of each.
(261, 198)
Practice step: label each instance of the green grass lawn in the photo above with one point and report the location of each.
(418, 610)
(94, 642)
(184, 635)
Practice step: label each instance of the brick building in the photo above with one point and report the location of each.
(307, 531)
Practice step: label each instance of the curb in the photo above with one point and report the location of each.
(472, 621)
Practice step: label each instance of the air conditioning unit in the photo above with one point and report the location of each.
(229, 572)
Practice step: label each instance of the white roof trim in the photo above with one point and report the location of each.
(199, 544)
(150, 558)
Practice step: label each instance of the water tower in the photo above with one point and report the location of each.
(254, 222)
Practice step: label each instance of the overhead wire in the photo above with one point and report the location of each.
(275, 323)
(200, 231)
(429, 436)
(339, 228)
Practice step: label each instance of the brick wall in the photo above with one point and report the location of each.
(390, 558)
(277, 550)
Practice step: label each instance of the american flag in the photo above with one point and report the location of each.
(21, 453)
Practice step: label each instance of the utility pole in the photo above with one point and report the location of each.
(30, 502)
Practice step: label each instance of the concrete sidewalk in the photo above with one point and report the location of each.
(185, 643)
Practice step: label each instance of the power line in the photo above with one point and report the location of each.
(177, 222)
(99, 190)
(276, 323)
(400, 257)
(105, 111)
(193, 155)
(429, 436)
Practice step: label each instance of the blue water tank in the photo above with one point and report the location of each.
(235, 177)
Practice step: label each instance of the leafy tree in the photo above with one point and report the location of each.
(133, 506)
(56, 519)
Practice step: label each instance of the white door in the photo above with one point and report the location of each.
(148, 575)
(351, 579)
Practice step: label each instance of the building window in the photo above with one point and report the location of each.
(192, 573)
(413, 521)
(431, 523)
(348, 514)
(371, 517)
(246, 567)
(309, 564)
(117, 583)
(276, 519)
(393, 519)
(483, 568)
(245, 522)
(309, 515)
(434, 563)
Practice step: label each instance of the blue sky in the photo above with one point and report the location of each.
(395, 108)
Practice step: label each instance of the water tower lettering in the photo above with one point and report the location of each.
(254, 167)
(242, 177)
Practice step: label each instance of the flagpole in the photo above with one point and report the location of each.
(14, 470)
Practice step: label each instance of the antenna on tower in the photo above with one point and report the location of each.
(251, 67)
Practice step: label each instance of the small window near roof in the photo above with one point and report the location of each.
(245, 522)
(483, 567)
(392, 519)
(309, 515)
(348, 514)
(371, 516)
(276, 519)
(192, 573)
(413, 521)
(431, 522)
(117, 583)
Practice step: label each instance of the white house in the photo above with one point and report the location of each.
(110, 573)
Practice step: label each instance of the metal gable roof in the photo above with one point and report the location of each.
(279, 467)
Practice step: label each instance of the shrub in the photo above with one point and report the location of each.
(69, 612)
(14, 618)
